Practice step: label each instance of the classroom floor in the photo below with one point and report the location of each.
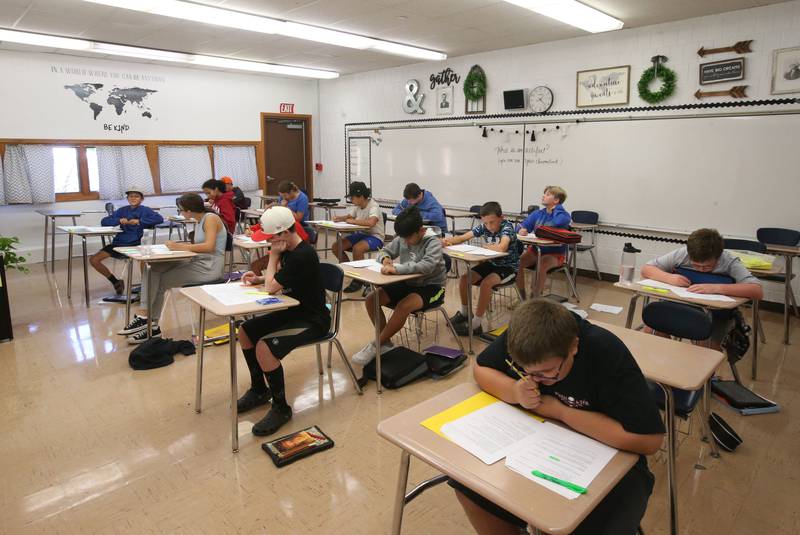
(89, 446)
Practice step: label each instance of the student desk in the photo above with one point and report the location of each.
(534, 503)
(537, 244)
(83, 233)
(253, 213)
(328, 216)
(206, 302)
(265, 198)
(587, 227)
(134, 253)
(669, 363)
(469, 261)
(789, 252)
(248, 246)
(376, 280)
(179, 219)
(426, 222)
(50, 217)
(339, 229)
(452, 214)
(640, 291)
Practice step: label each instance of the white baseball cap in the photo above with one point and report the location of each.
(275, 220)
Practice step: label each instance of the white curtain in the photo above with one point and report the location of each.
(28, 174)
(237, 162)
(123, 168)
(2, 185)
(183, 168)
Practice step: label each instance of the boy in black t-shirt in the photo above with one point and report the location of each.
(585, 377)
(293, 269)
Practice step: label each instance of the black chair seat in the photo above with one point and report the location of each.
(778, 277)
(582, 248)
(685, 400)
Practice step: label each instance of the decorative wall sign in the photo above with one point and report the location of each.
(540, 99)
(475, 91)
(786, 71)
(727, 70)
(445, 77)
(737, 91)
(444, 101)
(603, 87)
(412, 103)
(657, 71)
(742, 47)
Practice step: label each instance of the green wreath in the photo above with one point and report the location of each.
(475, 84)
(668, 79)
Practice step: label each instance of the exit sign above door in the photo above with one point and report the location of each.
(287, 108)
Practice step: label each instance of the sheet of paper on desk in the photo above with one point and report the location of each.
(462, 248)
(491, 432)
(683, 292)
(375, 267)
(560, 453)
(234, 294)
(75, 228)
(159, 249)
(243, 238)
(483, 252)
(367, 262)
(611, 309)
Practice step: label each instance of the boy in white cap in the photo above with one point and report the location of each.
(132, 219)
(294, 270)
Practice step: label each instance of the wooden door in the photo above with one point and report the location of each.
(285, 153)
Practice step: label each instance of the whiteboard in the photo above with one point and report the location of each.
(455, 163)
(735, 174)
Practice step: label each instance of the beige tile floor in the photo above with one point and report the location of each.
(89, 446)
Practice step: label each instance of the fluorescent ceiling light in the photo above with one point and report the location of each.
(180, 9)
(573, 13)
(68, 43)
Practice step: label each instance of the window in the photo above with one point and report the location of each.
(65, 170)
(94, 170)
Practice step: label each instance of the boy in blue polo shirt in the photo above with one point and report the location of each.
(552, 214)
(132, 219)
(295, 200)
(429, 207)
(498, 235)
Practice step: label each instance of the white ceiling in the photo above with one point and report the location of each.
(456, 27)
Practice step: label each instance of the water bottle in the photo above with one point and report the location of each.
(627, 268)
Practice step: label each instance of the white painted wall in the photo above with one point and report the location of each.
(190, 104)
(377, 95)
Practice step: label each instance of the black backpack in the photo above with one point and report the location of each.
(158, 352)
(737, 342)
(399, 367)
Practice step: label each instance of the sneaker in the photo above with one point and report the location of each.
(458, 317)
(274, 419)
(354, 286)
(367, 353)
(141, 336)
(461, 330)
(137, 324)
(119, 287)
(252, 399)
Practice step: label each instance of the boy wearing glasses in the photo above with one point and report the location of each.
(585, 377)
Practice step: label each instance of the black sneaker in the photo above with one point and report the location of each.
(252, 399)
(274, 419)
(141, 336)
(461, 330)
(119, 287)
(354, 286)
(458, 317)
(137, 324)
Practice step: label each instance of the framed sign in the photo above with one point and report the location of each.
(444, 101)
(603, 87)
(722, 71)
(786, 71)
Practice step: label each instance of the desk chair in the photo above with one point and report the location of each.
(780, 236)
(563, 267)
(171, 225)
(501, 290)
(532, 208)
(109, 207)
(756, 247)
(681, 321)
(589, 218)
(476, 210)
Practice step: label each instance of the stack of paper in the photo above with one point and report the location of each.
(683, 292)
(367, 262)
(235, 294)
(471, 249)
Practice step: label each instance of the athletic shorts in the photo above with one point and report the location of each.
(560, 257)
(374, 242)
(282, 331)
(432, 294)
(110, 250)
(506, 273)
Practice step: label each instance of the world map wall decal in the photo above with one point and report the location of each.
(122, 99)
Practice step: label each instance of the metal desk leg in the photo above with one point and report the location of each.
(672, 488)
(706, 427)
(377, 338)
(129, 267)
(234, 387)
(46, 223)
(754, 372)
(538, 267)
(468, 275)
(787, 298)
(631, 310)
(149, 300)
(198, 391)
(69, 268)
(53, 244)
(85, 272)
(400, 493)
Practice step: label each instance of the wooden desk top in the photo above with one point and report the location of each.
(249, 244)
(533, 240)
(677, 364)
(721, 305)
(375, 278)
(534, 503)
(253, 212)
(90, 231)
(269, 197)
(346, 227)
(469, 257)
(60, 213)
(175, 255)
(198, 295)
(179, 219)
(786, 250)
(454, 213)
(583, 226)
(326, 205)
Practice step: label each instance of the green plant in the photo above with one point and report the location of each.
(11, 259)
(475, 84)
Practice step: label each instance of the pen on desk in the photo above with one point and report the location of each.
(566, 484)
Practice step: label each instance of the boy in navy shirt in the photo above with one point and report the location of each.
(498, 235)
(132, 219)
(583, 376)
(552, 214)
(429, 207)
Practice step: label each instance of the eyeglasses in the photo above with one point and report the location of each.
(536, 375)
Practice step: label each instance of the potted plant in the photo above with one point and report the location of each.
(8, 259)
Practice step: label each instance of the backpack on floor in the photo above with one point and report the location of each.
(399, 367)
(442, 361)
